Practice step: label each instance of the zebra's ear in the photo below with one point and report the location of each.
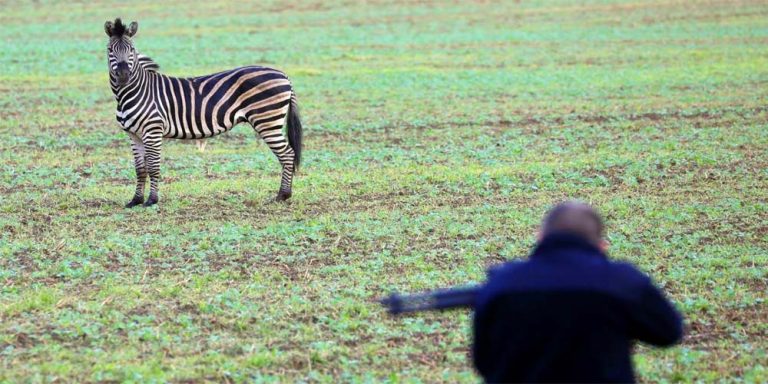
(108, 28)
(132, 29)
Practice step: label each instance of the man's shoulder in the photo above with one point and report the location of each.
(618, 267)
(501, 275)
(616, 278)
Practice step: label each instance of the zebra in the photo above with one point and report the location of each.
(152, 106)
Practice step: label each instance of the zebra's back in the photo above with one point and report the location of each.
(205, 106)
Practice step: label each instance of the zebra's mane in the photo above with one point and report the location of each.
(118, 28)
(147, 64)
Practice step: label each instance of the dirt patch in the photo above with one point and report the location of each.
(674, 115)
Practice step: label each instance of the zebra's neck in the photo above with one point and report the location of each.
(133, 98)
(143, 64)
(146, 63)
(136, 98)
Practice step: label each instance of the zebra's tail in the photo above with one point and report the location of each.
(294, 130)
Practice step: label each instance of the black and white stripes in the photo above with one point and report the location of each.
(152, 106)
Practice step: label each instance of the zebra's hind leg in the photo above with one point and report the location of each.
(137, 147)
(272, 133)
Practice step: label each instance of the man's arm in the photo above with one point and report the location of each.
(655, 319)
(480, 341)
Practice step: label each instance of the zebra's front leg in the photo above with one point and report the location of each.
(153, 142)
(137, 147)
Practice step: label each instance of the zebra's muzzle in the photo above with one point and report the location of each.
(122, 73)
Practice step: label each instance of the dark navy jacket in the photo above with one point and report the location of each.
(567, 314)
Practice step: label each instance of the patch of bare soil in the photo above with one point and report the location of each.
(727, 324)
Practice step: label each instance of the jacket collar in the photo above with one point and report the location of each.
(559, 244)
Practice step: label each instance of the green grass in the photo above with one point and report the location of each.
(437, 135)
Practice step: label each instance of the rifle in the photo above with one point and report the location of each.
(441, 299)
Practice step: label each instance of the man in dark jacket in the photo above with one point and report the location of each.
(568, 314)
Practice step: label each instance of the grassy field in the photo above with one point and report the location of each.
(437, 134)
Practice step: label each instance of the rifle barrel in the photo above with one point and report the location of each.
(432, 300)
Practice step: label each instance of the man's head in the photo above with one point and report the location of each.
(575, 218)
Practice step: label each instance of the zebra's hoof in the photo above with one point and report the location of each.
(283, 196)
(136, 201)
(150, 202)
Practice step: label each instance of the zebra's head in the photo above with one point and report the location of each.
(122, 55)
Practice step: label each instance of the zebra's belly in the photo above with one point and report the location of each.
(210, 129)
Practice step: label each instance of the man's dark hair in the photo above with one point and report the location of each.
(576, 218)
